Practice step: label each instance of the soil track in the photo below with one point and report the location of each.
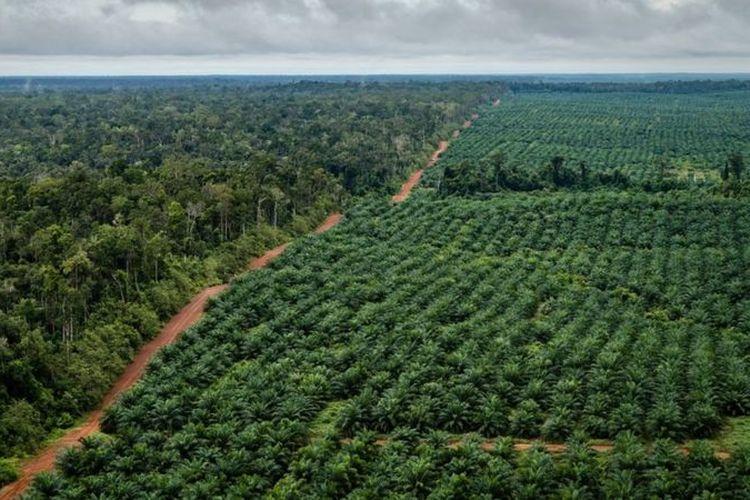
(330, 221)
(267, 257)
(188, 316)
(414, 178)
(522, 445)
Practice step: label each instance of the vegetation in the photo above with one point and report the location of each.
(131, 201)
(648, 141)
(735, 434)
(431, 467)
(531, 315)
(368, 136)
(557, 284)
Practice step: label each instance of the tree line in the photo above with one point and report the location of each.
(493, 174)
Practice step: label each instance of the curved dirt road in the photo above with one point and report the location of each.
(45, 460)
(263, 260)
(189, 315)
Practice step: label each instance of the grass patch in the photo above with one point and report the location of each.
(325, 422)
(736, 434)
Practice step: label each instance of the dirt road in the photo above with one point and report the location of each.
(330, 221)
(414, 178)
(189, 315)
(45, 460)
(267, 257)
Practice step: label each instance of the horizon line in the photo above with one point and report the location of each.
(375, 74)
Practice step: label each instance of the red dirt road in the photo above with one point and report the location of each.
(45, 460)
(267, 257)
(188, 316)
(414, 178)
(330, 221)
(557, 448)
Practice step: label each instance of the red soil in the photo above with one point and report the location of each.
(407, 186)
(330, 221)
(413, 180)
(267, 257)
(45, 460)
(188, 316)
(557, 448)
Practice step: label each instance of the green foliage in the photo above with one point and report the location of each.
(538, 315)
(735, 433)
(8, 471)
(367, 135)
(131, 201)
(348, 365)
(640, 140)
(20, 425)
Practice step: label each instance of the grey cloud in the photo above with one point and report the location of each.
(389, 28)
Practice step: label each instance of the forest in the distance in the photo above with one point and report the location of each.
(116, 206)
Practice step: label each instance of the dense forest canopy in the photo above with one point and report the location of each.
(116, 206)
(364, 134)
(594, 82)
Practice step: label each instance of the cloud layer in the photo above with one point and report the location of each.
(469, 30)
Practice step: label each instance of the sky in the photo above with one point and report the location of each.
(121, 37)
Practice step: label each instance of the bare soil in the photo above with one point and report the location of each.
(413, 179)
(330, 221)
(522, 445)
(188, 316)
(266, 258)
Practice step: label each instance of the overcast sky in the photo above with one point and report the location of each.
(372, 36)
